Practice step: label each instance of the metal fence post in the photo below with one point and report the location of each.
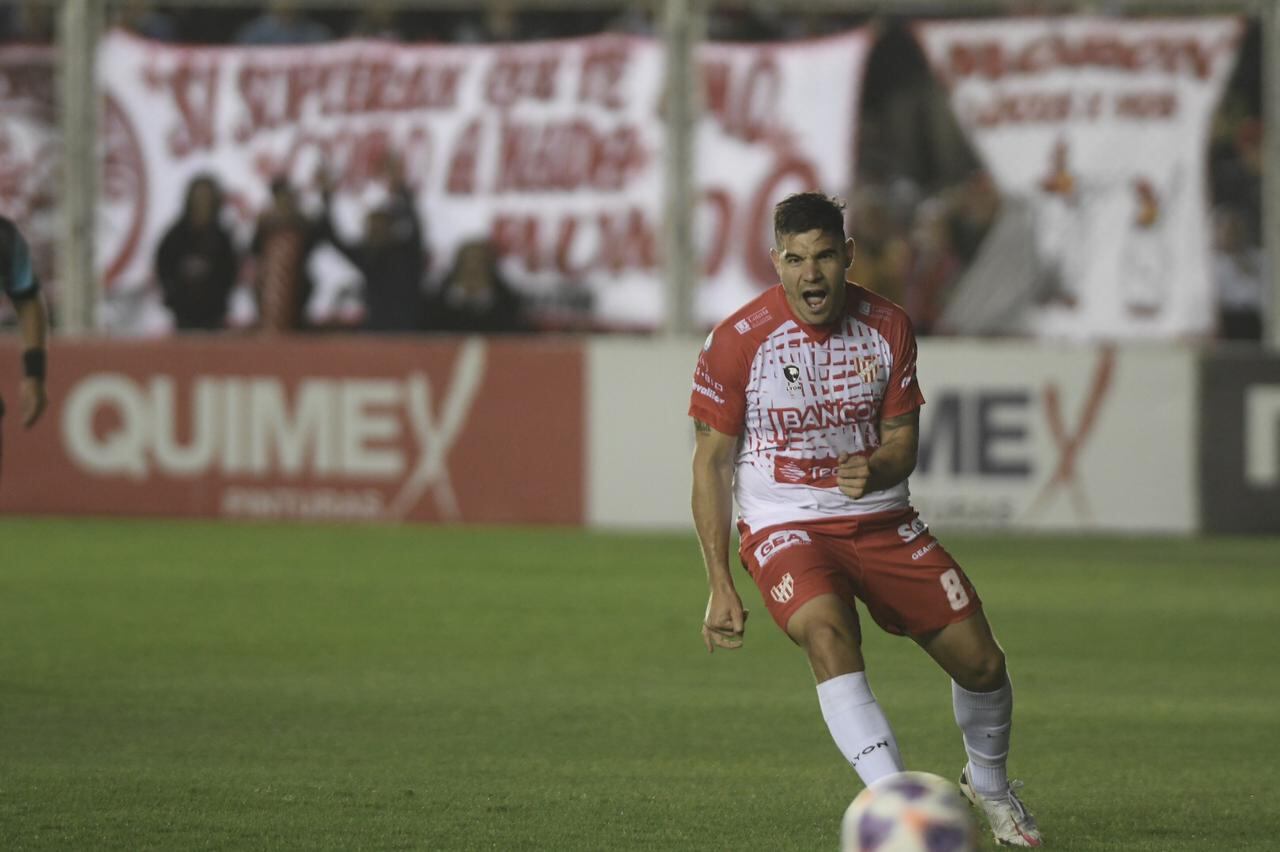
(1271, 167)
(682, 28)
(79, 23)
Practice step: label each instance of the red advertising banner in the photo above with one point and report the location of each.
(332, 428)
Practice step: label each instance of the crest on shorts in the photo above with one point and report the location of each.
(784, 590)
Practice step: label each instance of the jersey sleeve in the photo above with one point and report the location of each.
(903, 393)
(719, 396)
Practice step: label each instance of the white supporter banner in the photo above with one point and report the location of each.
(552, 149)
(1096, 128)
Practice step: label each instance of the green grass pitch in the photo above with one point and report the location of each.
(190, 686)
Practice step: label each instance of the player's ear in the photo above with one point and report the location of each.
(848, 252)
(776, 257)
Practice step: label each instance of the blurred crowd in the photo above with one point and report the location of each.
(198, 266)
(919, 215)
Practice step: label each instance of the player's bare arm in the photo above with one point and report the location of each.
(32, 322)
(891, 463)
(713, 460)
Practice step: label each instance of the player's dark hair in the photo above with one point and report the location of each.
(808, 211)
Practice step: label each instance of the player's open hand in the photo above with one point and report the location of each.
(852, 473)
(725, 621)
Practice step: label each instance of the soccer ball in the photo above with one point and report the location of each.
(909, 812)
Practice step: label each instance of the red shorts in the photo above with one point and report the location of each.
(890, 561)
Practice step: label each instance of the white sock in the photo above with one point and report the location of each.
(985, 719)
(859, 726)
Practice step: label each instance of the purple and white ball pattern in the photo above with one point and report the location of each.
(909, 812)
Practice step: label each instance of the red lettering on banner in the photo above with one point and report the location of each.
(358, 155)
(993, 60)
(30, 81)
(743, 103)
(1147, 105)
(277, 96)
(1029, 108)
(612, 241)
(514, 78)
(194, 90)
(603, 70)
(565, 156)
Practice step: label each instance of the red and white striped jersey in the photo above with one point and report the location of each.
(800, 395)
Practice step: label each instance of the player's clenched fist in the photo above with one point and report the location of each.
(852, 473)
(724, 622)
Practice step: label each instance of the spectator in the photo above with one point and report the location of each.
(1238, 277)
(934, 266)
(500, 21)
(632, 21)
(377, 19)
(389, 255)
(196, 263)
(29, 22)
(881, 256)
(975, 204)
(143, 19)
(1236, 168)
(282, 246)
(474, 297)
(282, 23)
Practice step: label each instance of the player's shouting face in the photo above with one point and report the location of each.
(811, 267)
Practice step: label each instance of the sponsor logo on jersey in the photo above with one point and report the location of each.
(911, 531)
(818, 473)
(822, 415)
(923, 550)
(791, 373)
(707, 386)
(785, 589)
(780, 540)
(760, 317)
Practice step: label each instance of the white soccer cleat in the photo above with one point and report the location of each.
(1010, 821)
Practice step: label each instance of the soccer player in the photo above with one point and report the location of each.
(19, 282)
(806, 409)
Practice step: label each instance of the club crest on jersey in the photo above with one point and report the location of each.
(866, 368)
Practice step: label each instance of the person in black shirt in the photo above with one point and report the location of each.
(389, 255)
(196, 262)
(474, 297)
